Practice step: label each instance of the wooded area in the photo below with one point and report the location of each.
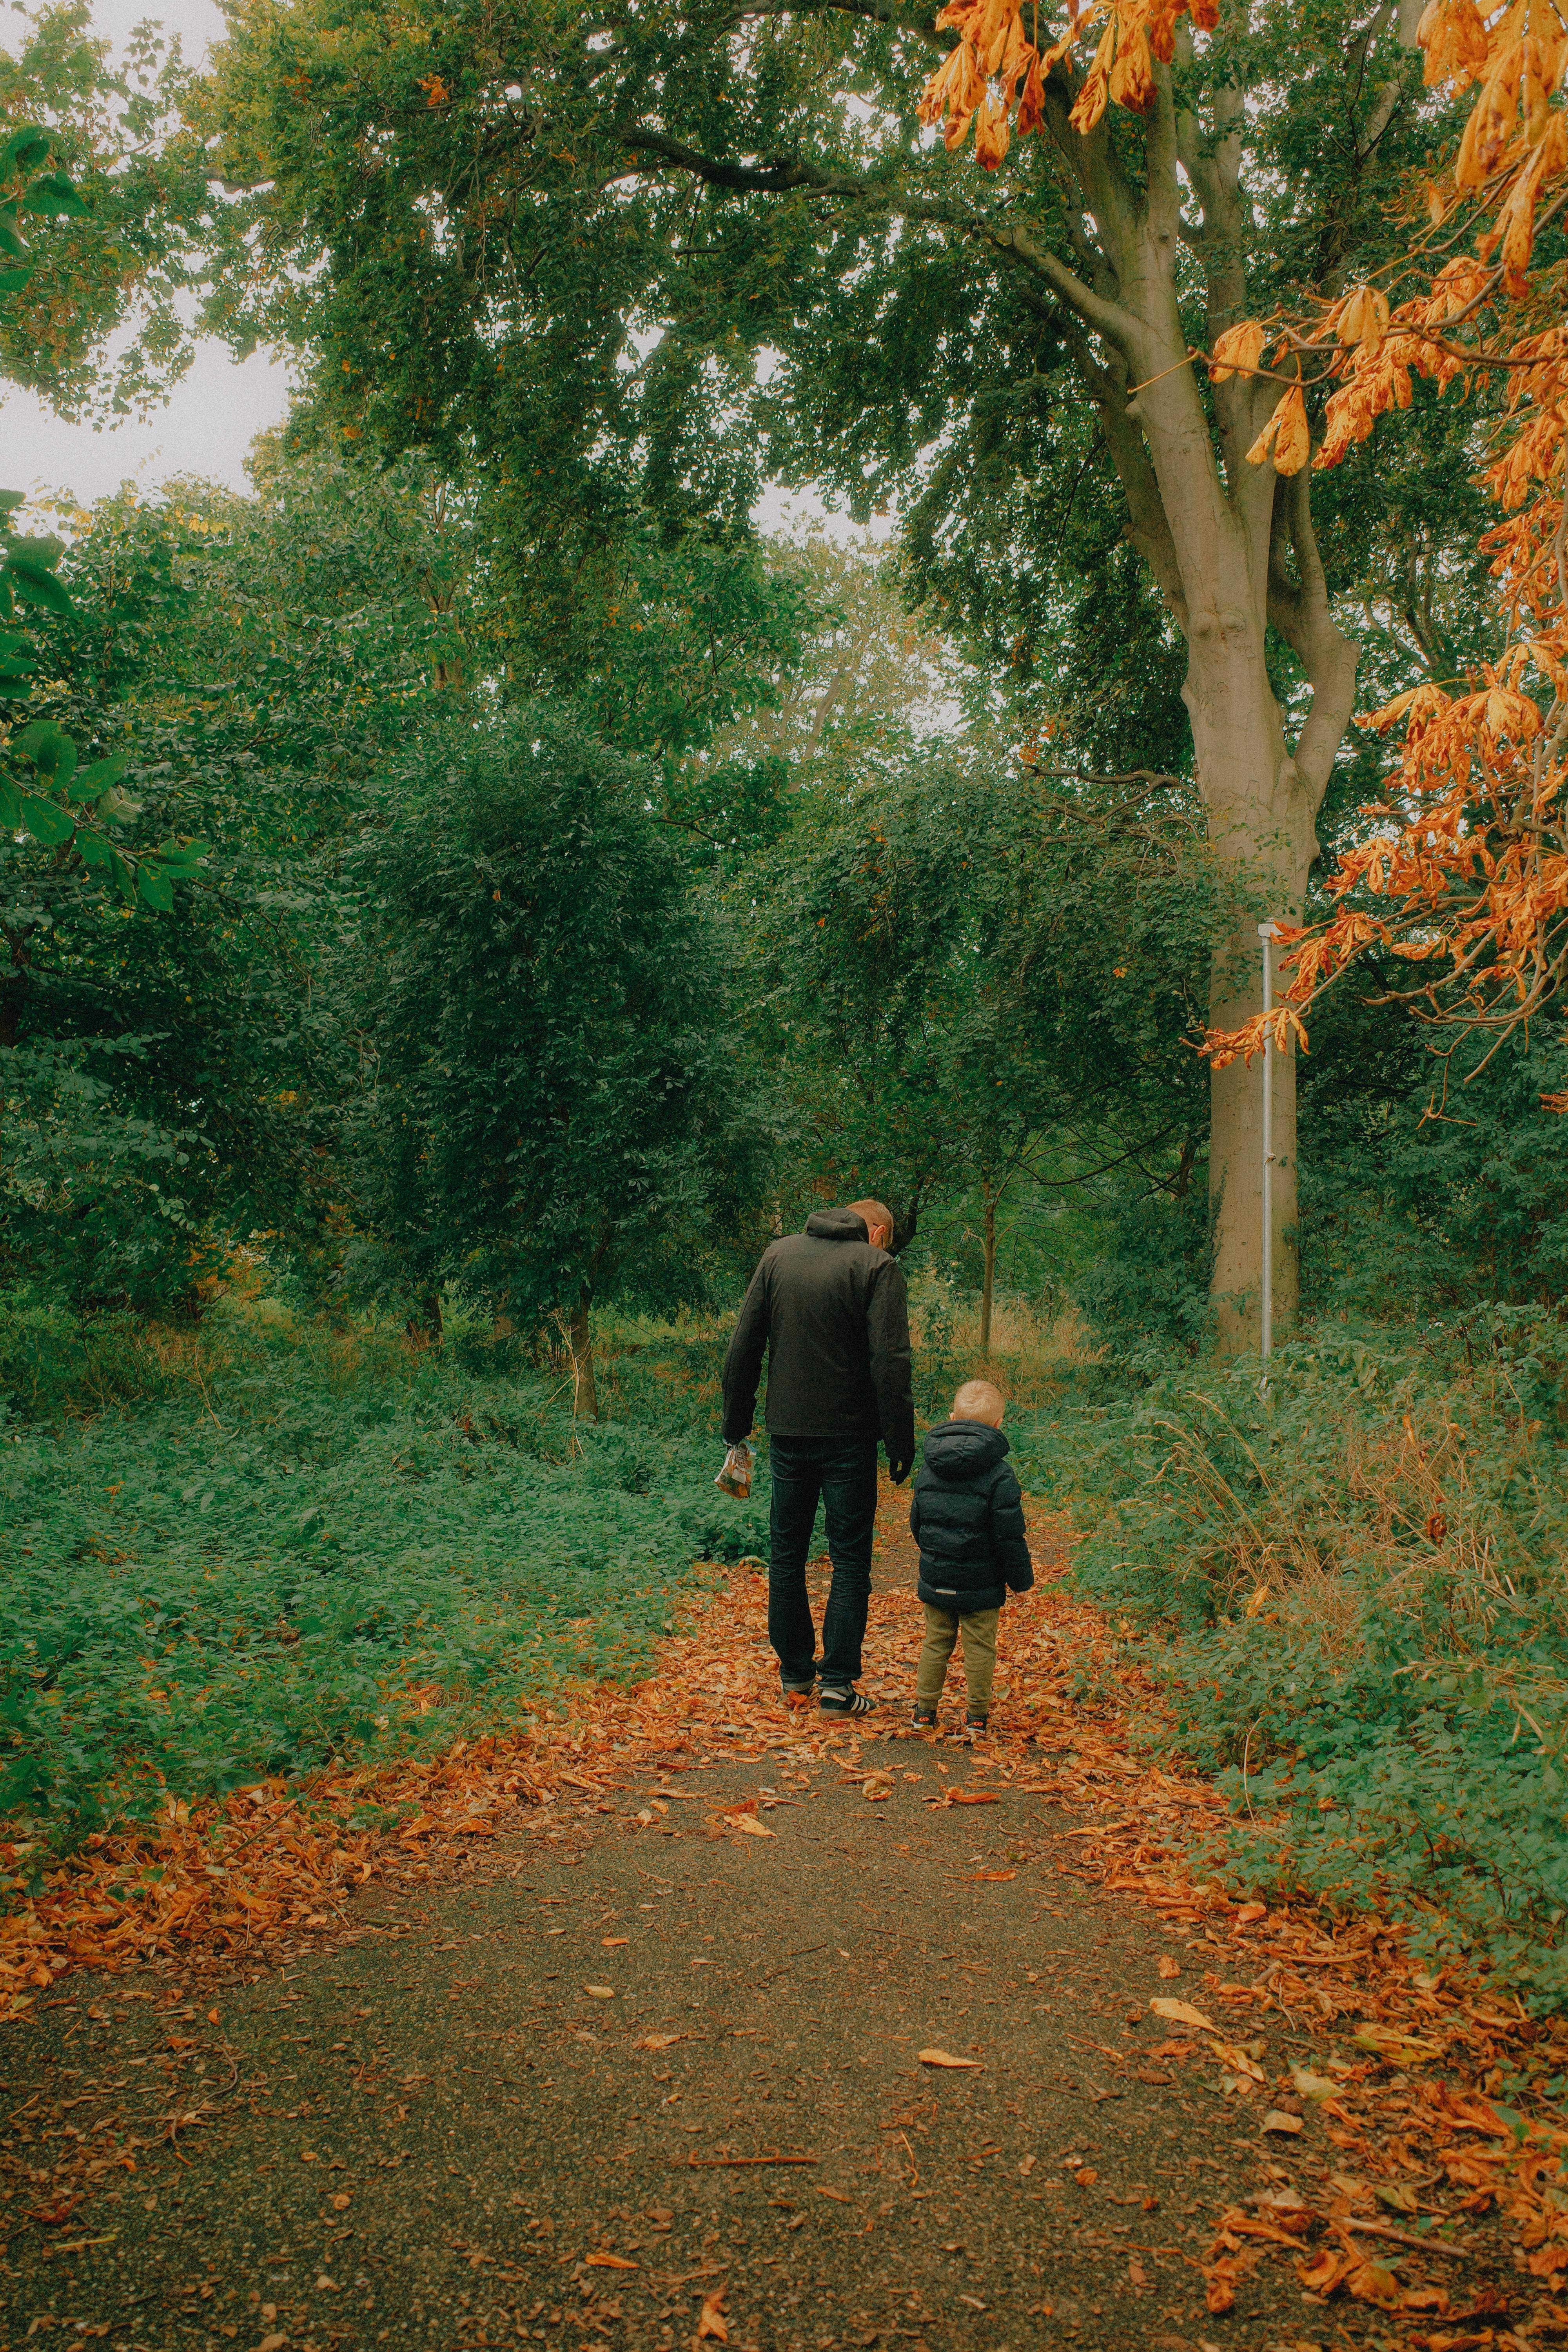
(460, 899)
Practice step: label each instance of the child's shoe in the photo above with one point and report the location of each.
(924, 1718)
(975, 1726)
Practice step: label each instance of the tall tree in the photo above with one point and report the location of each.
(571, 244)
(553, 1108)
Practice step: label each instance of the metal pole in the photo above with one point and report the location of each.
(1265, 934)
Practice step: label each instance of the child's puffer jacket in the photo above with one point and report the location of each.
(968, 1519)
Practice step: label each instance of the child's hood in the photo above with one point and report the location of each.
(962, 1449)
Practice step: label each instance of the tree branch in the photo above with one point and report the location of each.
(746, 179)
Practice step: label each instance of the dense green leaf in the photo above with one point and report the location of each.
(36, 585)
(91, 782)
(46, 820)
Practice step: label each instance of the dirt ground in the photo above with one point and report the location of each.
(656, 2078)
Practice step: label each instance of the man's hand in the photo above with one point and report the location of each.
(897, 1472)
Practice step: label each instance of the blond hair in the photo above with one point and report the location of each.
(979, 1401)
(874, 1213)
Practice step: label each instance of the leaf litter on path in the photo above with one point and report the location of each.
(266, 1872)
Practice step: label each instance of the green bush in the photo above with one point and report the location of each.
(1352, 1587)
(321, 1545)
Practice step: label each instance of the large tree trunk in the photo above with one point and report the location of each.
(1260, 823)
(1232, 548)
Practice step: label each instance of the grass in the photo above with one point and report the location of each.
(250, 1551)
(304, 1548)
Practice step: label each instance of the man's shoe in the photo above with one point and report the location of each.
(839, 1699)
(797, 1694)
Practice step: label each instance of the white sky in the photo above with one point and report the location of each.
(215, 412)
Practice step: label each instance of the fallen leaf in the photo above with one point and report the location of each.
(609, 2262)
(973, 1797)
(1219, 2286)
(657, 2040)
(1277, 2120)
(745, 1821)
(710, 2321)
(1237, 2062)
(1373, 2283)
(1026, 2165)
(945, 2058)
(1181, 2012)
(273, 2343)
(1327, 2266)
(1310, 2085)
(341, 2201)
(995, 1877)
(610, 1942)
(837, 2195)
(1169, 1965)
(600, 1992)
(212, 2017)
(1250, 1913)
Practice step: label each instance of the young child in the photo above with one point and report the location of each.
(968, 1519)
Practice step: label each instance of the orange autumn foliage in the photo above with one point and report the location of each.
(1463, 874)
(996, 76)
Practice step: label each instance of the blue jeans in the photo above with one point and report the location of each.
(842, 1473)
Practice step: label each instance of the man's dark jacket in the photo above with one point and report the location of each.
(833, 1316)
(967, 1516)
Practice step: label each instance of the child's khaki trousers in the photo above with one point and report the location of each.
(978, 1627)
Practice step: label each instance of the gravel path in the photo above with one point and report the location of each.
(654, 2078)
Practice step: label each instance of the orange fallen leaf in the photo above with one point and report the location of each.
(745, 1821)
(657, 2040)
(341, 2201)
(609, 2262)
(600, 1992)
(712, 2323)
(945, 2058)
(973, 1797)
(610, 1942)
(1181, 2012)
(1169, 1966)
(1219, 2286)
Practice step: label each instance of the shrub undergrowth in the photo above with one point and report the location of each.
(301, 1547)
(1354, 1586)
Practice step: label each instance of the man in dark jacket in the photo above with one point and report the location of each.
(829, 1308)
(967, 1516)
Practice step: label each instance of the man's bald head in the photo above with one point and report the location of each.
(879, 1221)
(979, 1401)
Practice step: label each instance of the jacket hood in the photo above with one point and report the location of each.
(962, 1449)
(836, 1225)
